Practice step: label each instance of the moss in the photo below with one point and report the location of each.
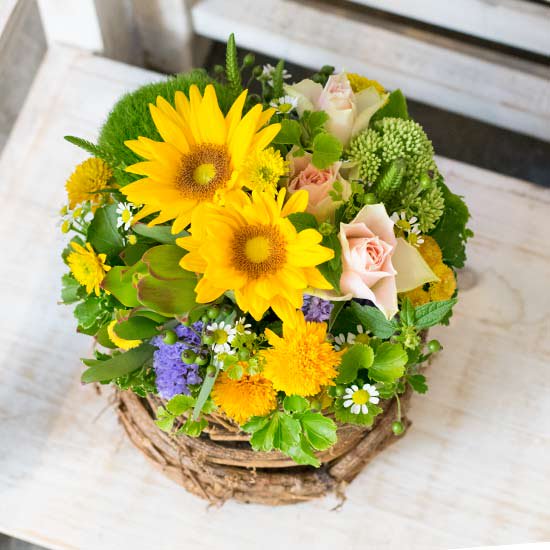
(130, 117)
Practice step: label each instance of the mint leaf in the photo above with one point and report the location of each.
(407, 313)
(432, 313)
(295, 403)
(289, 134)
(103, 234)
(327, 149)
(418, 383)
(374, 320)
(358, 356)
(319, 430)
(389, 363)
(313, 123)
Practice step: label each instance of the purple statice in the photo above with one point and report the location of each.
(173, 376)
(316, 309)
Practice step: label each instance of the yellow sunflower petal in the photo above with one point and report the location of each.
(168, 130)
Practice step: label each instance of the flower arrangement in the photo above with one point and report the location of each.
(276, 255)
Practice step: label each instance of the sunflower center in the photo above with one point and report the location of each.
(258, 250)
(360, 397)
(204, 170)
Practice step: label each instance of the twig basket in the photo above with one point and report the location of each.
(220, 464)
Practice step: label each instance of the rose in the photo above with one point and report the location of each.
(349, 113)
(318, 183)
(376, 265)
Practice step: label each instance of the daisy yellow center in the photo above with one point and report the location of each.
(258, 250)
(204, 170)
(126, 216)
(362, 339)
(360, 397)
(220, 336)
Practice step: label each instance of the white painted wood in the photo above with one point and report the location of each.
(473, 470)
(516, 23)
(437, 75)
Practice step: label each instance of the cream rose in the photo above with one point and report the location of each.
(376, 265)
(318, 183)
(349, 113)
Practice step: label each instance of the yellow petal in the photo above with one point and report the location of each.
(211, 117)
(244, 133)
(412, 269)
(296, 203)
(234, 115)
(168, 130)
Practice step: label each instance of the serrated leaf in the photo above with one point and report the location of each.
(303, 454)
(418, 383)
(344, 415)
(262, 439)
(374, 320)
(389, 363)
(287, 432)
(70, 289)
(432, 313)
(118, 365)
(103, 233)
(88, 312)
(180, 404)
(327, 150)
(407, 313)
(165, 420)
(358, 356)
(289, 134)
(295, 403)
(255, 424)
(319, 430)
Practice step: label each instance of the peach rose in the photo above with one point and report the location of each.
(318, 183)
(376, 265)
(349, 113)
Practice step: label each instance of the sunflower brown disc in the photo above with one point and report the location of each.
(221, 465)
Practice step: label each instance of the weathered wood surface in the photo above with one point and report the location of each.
(473, 470)
(435, 70)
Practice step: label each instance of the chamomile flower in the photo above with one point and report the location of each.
(125, 215)
(242, 327)
(268, 71)
(343, 341)
(407, 227)
(285, 104)
(223, 334)
(357, 400)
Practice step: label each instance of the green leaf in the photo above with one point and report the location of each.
(407, 313)
(319, 430)
(163, 262)
(204, 394)
(160, 233)
(278, 79)
(396, 107)
(374, 320)
(287, 432)
(103, 234)
(289, 134)
(389, 363)
(136, 328)
(232, 71)
(255, 424)
(418, 382)
(303, 454)
(327, 150)
(118, 365)
(169, 298)
(303, 220)
(133, 253)
(344, 415)
(332, 270)
(164, 420)
(103, 339)
(313, 123)
(358, 356)
(432, 313)
(88, 312)
(70, 289)
(120, 282)
(295, 403)
(193, 428)
(262, 439)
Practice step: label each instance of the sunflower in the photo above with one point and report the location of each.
(200, 157)
(302, 361)
(88, 179)
(251, 395)
(87, 267)
(117, 340)
(250, 246)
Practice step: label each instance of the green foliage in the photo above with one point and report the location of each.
(278, 79)
(374, 320)
(396, 107)
(130, 117)
(121, 282)
(71, 290)
(103, 233)
(141, 381)
(358, 356)
(432, 313)
(345, 415)
(451, 232)
(289, 134)
(118, 365)
(295, 403)
(204, 394)
(390, 180)
(418, 383)
(232, 71)
(136, 328)
(159, 233)
(327, 149)
(92, 148)
(389, 363)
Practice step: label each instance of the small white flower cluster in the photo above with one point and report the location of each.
(409, 226)
(285, 104)
(342, 341)
(268, 71)
(224, 334)
(125, 215)
(357, 400)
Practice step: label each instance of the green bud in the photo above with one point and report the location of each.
(227, 309)
(339, 390)
(257, 71)
(170, 337)
(219, 69)
(315, 404)
(327, 70)
(434, 346)
(213, 312)
(326, 229)
(425, 181)
(249, 59)
(243, 354)
(205, 318)
(186, 322)
(188, 356)
(397, 427)
(202, 358)
(208, 338)
(370, 198)
(211, 370)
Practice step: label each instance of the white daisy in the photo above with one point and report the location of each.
(125, 215)
(409, 226)
(267, 73)
(358, 399)
(223, 336)
(285, 104)
(242, 327)
(342, 341)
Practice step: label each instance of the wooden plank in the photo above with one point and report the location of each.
(314, 35)
(22, 46)
(473, 469)
(516, 23)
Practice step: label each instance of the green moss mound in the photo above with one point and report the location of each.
(130, 117)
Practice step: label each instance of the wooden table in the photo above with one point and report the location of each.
(473, 470)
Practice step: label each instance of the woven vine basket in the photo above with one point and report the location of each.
(220, 464)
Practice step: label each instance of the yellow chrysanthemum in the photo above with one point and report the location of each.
(302, 361)
(446, 286)
(118, 341)
(251, 395)
(262, 170)
(200, 158)
(430, 251)
(252, 248)
(359, 83)
(89, 177)
(418, 296)
(87, 267)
